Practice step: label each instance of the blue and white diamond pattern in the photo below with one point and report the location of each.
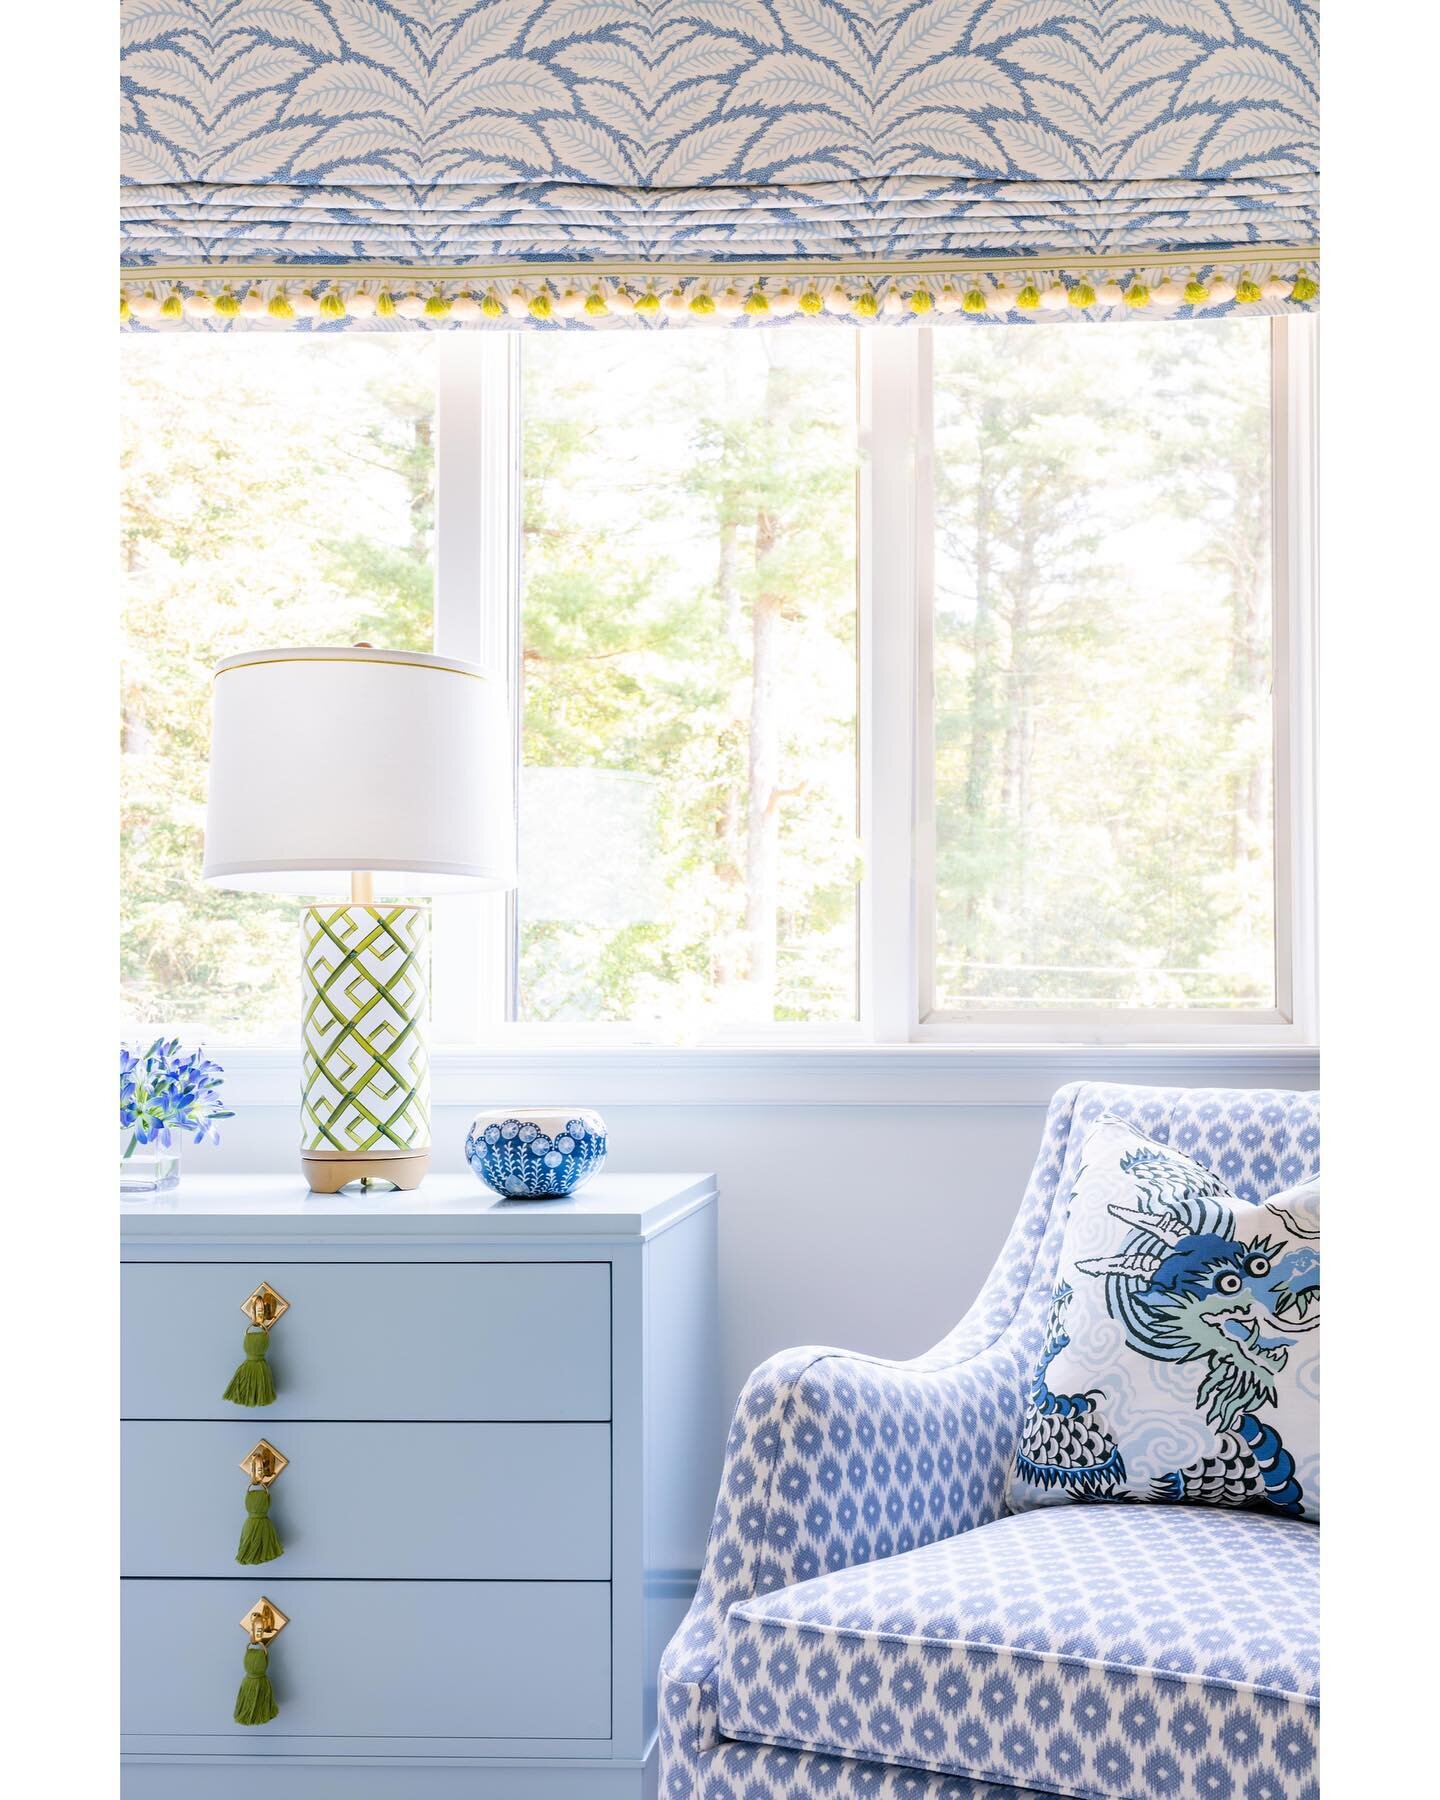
(839, 1461)
(1003, 1651)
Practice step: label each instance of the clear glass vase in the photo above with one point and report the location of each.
(146, 1168)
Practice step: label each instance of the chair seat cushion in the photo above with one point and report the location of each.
(1127, 1651)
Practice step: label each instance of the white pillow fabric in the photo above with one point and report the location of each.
(1182, 1354)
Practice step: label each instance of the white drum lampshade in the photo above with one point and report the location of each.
(323, 762)
(353, 773)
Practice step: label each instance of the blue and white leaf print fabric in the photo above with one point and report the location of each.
(1182, 1351)
(428, 132)
(840, 1462)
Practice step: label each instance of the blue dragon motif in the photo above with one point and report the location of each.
(1065, 1444)
(1187, 1289)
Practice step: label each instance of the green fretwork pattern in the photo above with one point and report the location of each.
(366, 1067)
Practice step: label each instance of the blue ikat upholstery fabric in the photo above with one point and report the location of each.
(1147, 1650)
(839, 1462)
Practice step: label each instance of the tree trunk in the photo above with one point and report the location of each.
(420, 478)
(1249, 667)
(982, 667)
(1019, 700)
(984, 652)
(731, 500)
(762, 813)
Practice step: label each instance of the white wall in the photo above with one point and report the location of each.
(867, 1223)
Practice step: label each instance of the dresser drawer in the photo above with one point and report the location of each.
(372, 1341)
(370, 1659)
(468, 1502)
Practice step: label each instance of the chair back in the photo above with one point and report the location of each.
(1259, 1141)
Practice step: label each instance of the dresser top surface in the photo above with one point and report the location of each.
(609, 1206)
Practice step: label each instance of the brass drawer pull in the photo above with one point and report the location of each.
(253, 1383)
(264, 1463)
(264, 1307)
(255, 1703)
(259, 1540)
(264, 1621)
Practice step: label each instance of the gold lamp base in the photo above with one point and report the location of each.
(328, 1171)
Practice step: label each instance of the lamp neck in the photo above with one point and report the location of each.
(362, 887)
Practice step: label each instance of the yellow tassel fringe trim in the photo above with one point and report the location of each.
(450, 301)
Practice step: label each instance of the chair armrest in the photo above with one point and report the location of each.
(835, 1459)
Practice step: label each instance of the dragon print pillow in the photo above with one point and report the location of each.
(1182, 1352)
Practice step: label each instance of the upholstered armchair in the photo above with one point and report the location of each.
(871, 1621)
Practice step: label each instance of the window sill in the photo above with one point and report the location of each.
(819, 1074)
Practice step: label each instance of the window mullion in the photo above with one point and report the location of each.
(1293, 521)
(477, 564)
(895, 521)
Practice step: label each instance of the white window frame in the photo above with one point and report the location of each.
(477, 613)
(478, 590)
(1293, 1018)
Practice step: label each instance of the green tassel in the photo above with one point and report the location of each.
(171, 307)
(1082, 294)
(756, 302)
(648, 303)
(866, 305)
(1305, 288)
(811, 302)
(1028, 298)
(278, 306)
(1247, 292)
(541, 306)
(595, 305)
(1196, 292)
(255, 1703)
(385, 304)
(259, 1540)
(226, 304)
(1137, 294)
(702, 303)
(253, 1383)
(332, 305)
(920, 301)
(436, 306)
(124, 307)
(492, 306)
(975, 301)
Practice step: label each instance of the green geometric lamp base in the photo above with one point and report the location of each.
(365, 1108)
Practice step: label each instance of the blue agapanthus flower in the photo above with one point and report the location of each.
(165, 1089)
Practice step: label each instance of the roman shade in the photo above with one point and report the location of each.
(324, 163)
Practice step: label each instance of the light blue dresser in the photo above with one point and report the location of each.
(503, 1440)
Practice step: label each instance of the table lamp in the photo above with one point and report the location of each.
(347, 775)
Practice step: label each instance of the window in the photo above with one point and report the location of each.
(1102, 734)
(276, 490)
(874, 685)
(688, 827)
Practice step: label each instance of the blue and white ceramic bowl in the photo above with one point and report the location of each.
(536, 1152)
